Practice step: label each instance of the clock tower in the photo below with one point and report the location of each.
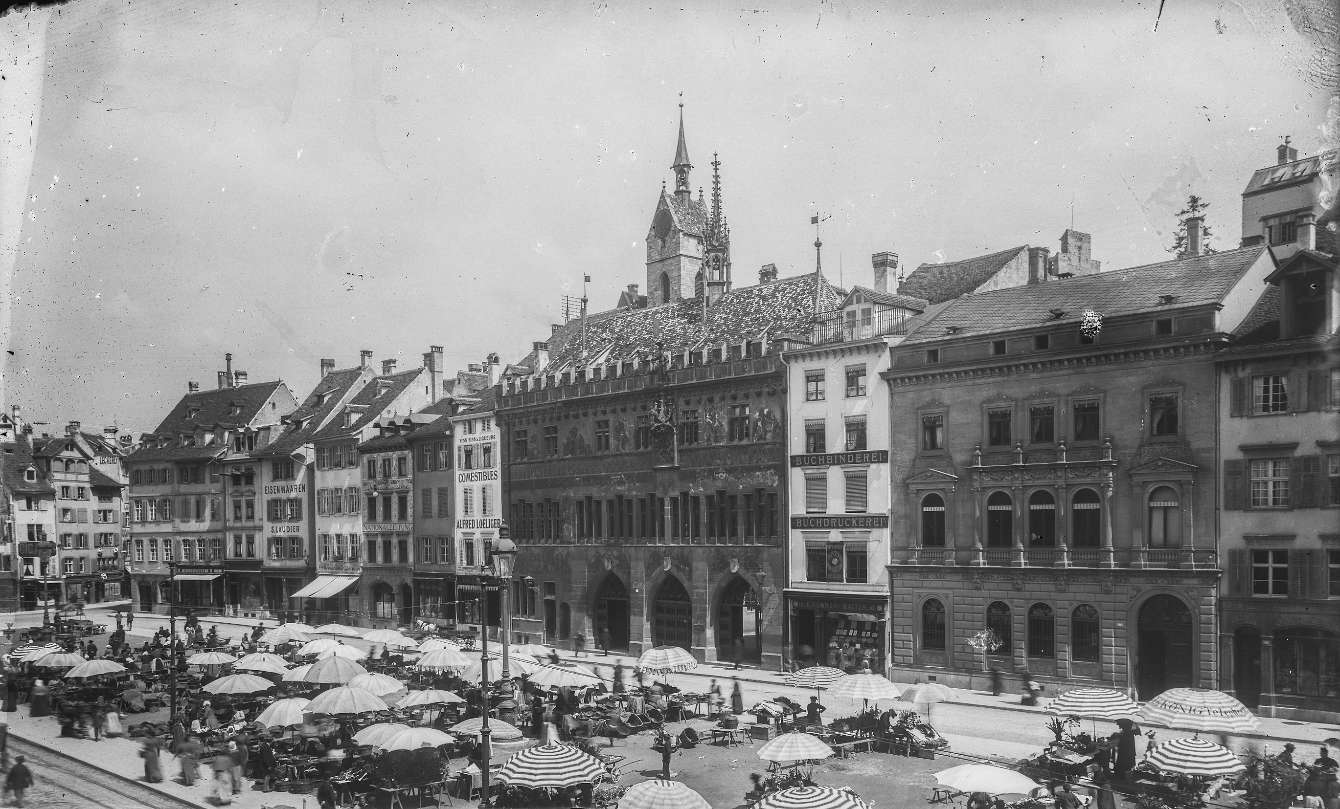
(675, 241)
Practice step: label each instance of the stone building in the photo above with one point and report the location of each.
(1016, 266)
(1056, 482)
(29, 502)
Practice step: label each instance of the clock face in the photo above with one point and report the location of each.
(662, 224)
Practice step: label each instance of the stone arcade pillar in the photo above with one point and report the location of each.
(639, 604)
(700, 590)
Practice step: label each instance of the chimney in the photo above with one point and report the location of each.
(223, 379)
(885, 263)
(1193, 234)
(72, 429)
(475, 368)
(192, 387)
(327, 365)
(239, 378)
(432, 360)
(767, 273)
(541, 355)
(1037, 264)
(493, 364)
(554, 327)
(109, 433)
(1285, 153)
(1307, 231)
(632, 294)
(228, 369)
(364, 357)
(388, 367)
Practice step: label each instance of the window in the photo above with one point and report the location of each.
(467, 502)
(426, 458)
(814, 386)
(737, 422)
(855, 381)
(551, 440)
(998, 621)
(932, 356)
(1165, 518)
(485, 502)
(467, 459)
(855, 433)
(688, 427)
(443, 501)
(857, 569)
(997, 347)
(1270, 573)
(1041, 631)
(1041, 520)
(856, 491)
(1086, 519)
(642, 431)
(426, 502)
(1163, 414)
(933, 625)
(1333, 480)
(998, 426)
(814, 436)
(386, 467)
(401, 466)
(520, 447)
(1333, 573)
(1085, 640)
(933, 431)
(402, 507)
(1270, 483)
(1086, 424)
(999, 521)
(932, 521)
(1041, 342)
(1270, 394)
(372, 508)
(486, 456)
(602, 435)
(816, 493)
(816, 562)
(351, 500)
(1163, 326)
(1282, 231)
(372, 468)
(1042, 424)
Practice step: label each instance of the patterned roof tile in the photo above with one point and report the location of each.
(942, 282)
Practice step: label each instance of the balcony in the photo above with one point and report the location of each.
(1136, 558)
(837, 329)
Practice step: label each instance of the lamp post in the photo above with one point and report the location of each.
(172, 642)
(497, 568)
(504, 553)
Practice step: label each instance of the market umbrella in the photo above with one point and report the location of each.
(815, 677)
(1093, 703)
(238, 684)
(347, 652)
(428, 696)
(927, 694)
(382, 685)
(390, 638)
(499, 731)
(333, 671)
(986, 778)
(316, 647)
(433, 644)
(564, 674)
(286, 633)
(443, 659)
(794, 746)
(297, 673)
(414, 738)
(534, 650)
(339, 629)
(1200, 710)
(283, 712)
(661, 794)
(516, 667)
(550, 766)
(59, 660)
(262, 661)
(811, 798)
(1194, 756)
(345, 701)
(865, 687)
(33, 652)
(664, 660)
(376, 735)
(94, 668)
(210, 659)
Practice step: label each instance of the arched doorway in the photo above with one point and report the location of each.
(383, 601)
(564, 620)
(672, 615)
(611, 610)
(1165, 652)
(406, 604)
(737, 627)
(1247, 666)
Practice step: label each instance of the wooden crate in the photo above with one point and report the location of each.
(762, 732)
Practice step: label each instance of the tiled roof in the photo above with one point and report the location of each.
(372, 403)
(1262, 323)
(206, 409)
(1301, 170)
(383, 443)
(690, 214)
(99, 479)
(942, 282)
(486, 403)
(49, 446)
(745, 313)
(18, 456)
(313, 412)
(890, 299)
(1194, 281)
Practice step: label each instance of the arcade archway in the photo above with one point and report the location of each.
(611, 612)
(1166, 646)
(737, 623)
(672, 615)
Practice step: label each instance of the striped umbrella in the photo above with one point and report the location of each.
(815, 677)
(564, 674)
(94, 668)
(812, 798)
(550, 765)
(1200, 710)
(794, 746)
(210, 659)
(339, 629)
(262, 661)
(297, 673)
(428, 696)
(664, 660)
(1093, 703)
(661, 794)
(433, 644)
(446, 658)
(865, 687)
(59, 660)
(333, 671)
(380, 733)
(927, 694)
(238, 684)
(347, 652)
(1194, 756)
(346, 701)
(414, 738)
(286, 633)
(283, 713)
(390, 638)
(34, 652)
(380, 684)
(499, 731)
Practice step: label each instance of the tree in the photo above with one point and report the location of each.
(1195, 206)
(986, 641)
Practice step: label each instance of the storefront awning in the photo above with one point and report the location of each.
(325, 587)
(196, 576)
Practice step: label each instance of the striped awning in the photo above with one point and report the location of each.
(325, 587)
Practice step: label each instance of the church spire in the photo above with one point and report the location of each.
(682, 166)
(716, 242)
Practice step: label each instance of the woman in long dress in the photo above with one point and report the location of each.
(736, 698)
(39, 700)
(153, 767)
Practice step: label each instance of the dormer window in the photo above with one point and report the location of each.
(30, 474)
(192, 413)
(234, 409)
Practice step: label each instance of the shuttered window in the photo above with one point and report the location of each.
(816, 494)
(856, 491)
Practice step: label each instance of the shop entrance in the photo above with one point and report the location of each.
(672, 615)
(737, 631)
(1247, 666)
(611, 610)
(1165, 646)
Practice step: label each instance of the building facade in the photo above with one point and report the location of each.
(434, 535)
(29, 564)
(1055, 449)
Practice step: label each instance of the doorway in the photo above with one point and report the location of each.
(672, 615)
(1165, 657)
(406, 605)
(737, 630)
(611, 611)
(1247, 666)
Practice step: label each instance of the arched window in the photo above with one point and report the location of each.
(933, 625)
(1086, 519)
(1041, 520)
(1084, 638)
(665, 288)
(1165, 518)
(998, 621)
(383, 601)
(999, 521)
(932, 521)
(1041, 631)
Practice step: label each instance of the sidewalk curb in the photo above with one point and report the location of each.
(118, 776)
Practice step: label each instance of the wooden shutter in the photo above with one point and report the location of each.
(1239, 390)
(1235, 485)
(816, 494)
(1239, 572)
(1318, 390)
(1300, 573)
(1305, 481)
(856, 492)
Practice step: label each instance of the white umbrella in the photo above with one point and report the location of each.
(443, 659)
(986, 778)
(1200, 710)
(812, 798)
(865, 687)
(499, 731)
(210, 659)
(297, 673)
(416, 737)
(375, 735)
(815, 677)
(661, 794)
(559, 675)
(287, 633)
(32, 653)
(262, 661)
(380, 684)
(794, 746)
(238, 684)
(316, 647)
(428, 696)
(59, 660)
(345, 701)
(927, 694)
(515, 668)
(390, 638)
(342, 630)
(663, 660)
(347, 652)
(1194, 756)
(94, 668)
(333, 671)
(283, 712)
(550, 766)
(433, 644)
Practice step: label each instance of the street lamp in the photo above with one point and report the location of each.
(497, 568)
(504, 555)
(172, 642)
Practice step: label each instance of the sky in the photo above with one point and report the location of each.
(297, 180)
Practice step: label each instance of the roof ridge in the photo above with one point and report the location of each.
(979, 257)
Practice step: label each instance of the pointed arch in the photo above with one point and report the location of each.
(610, 610)
(738, 619)
(671, 614)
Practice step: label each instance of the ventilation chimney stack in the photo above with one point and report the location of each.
(1285, 153)
(432, 362)
(72, 429)
(327, 365)
(192, 387)
(364, 357)
(228, 369)
(388, 367)
(1307, 231)
(493, 364)
(1037, 264)
(767, 273)
(109, 433)
(885, 264)
(541, 355)
(239, 378)
(1194, 235)
(223, 379)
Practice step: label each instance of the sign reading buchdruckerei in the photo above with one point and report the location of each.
(839, 521)
(840, 458)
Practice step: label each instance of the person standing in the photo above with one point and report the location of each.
(189, 753)
(814, 713)
(605, 639)
(579, 643)
(237, 750)
(18, 780)
(618, 678)
(1126, 746)
(11, 691)
(130, 619)
(995, 681)
(537, 716)
(736, 697)
(39, 700)
(223, 778)
(153, 768)
(99, 718)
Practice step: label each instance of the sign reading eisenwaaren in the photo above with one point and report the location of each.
(841, 521)
(840, 458)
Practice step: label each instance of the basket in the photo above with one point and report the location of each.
(730, 722)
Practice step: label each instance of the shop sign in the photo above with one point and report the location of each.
(840, 522)
(476, 523)
(385, 527)
(477, 476)
(841, 458)
(203, 570)
(477, 438)
(821, 603)
(296, 528)
(286, 488)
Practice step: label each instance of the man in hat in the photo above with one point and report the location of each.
(18, 780)
(1286, 755)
